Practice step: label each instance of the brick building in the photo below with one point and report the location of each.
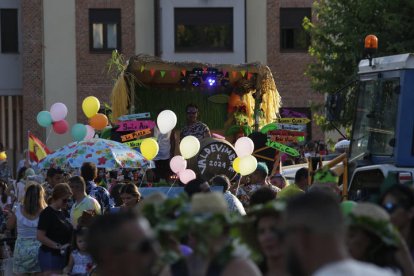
(57, 51)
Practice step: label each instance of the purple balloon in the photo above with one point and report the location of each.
(58, 111)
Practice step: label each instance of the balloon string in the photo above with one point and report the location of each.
(171, 186)
(142, 180)
(47, 138)
(238, 184)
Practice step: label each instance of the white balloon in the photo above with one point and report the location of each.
(166, 121)
(247, 165)
(189, 146)
(244, 146)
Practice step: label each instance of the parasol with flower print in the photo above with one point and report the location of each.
(104, 153)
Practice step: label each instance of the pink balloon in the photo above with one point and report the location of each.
(244, 146)
(178, 164)
(90, 132)
(187, 175)
(61, 127)
(58, 111)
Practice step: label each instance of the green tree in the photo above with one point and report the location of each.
(338, 34)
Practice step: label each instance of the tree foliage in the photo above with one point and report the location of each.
(338, 33)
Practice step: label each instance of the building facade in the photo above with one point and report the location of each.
(57, 51)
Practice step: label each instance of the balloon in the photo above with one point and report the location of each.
(78, 132)
(166, 121)
(248, 165)
(244, 146)
(99, 121)
(3, 156)
(90, 132)
(58, 111)
(61, 127)
(187, 175)
(90, 106)
(236, 164)
(149, 148)
(44, 118)
(189, 146)
(178, 164)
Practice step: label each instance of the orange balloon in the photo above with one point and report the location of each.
(98, 121)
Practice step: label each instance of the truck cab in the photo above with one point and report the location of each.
(383, 127)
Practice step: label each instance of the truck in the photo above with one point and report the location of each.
(382, 139)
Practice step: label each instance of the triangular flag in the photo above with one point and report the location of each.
(234, 74)
(224, 73)
(249, 75)
(152, 72)
(37, 150)
(205, 70)
(142, 68)
(243, 72)
(162, 73)
(184, 72)
(173, 73)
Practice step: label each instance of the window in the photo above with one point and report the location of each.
(292, 35)
(9, 31)
(203, 29)
(104, 30)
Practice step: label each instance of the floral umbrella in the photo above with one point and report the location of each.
(104, 153)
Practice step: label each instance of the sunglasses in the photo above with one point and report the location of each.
(391, 207)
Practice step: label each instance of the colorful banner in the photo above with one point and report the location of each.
(134, 116)
(283, 148)
(135, 134)
(134, 144)
(283, 139)
(294, 121)
(135, 125)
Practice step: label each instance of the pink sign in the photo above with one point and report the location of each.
(135, 125)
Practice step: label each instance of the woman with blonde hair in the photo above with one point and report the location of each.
(25, 217)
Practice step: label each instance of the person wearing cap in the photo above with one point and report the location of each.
(372, 238)
(258, 179)
(262, 232)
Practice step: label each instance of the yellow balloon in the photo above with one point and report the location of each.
(248, 165)
(149, 148)
(3, 155)
(189, 146)
(90, 106)
(236, 165)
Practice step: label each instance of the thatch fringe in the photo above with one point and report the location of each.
(120, 98)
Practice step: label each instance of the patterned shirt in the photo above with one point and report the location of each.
(197, 129)
(245, 192)
(234, 203)
(101, 195)
(5, 173)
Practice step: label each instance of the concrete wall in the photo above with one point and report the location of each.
(144, 27)
(256, 36)
(60, 62)
(11, 63)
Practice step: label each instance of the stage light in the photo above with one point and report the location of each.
(196, 81)
(211, 81)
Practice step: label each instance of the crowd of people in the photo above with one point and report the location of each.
(259, 225)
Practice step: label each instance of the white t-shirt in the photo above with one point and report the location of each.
(351, 267)
(163, 143)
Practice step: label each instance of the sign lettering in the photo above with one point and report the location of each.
(134, 144)
(135, 125)
(145, 115)
(292, 127)
(294, 121)
(216, 158)
(283, 148)
(135, 134)
(287, 133)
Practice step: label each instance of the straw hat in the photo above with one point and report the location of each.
(375, 220)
